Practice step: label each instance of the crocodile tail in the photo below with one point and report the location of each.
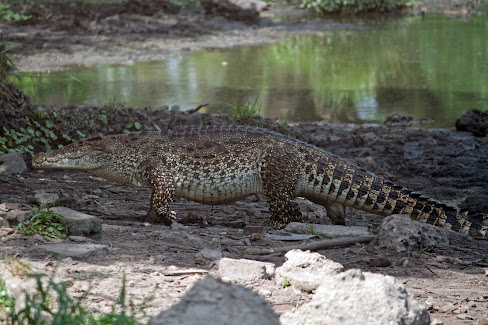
(332, 179)
(386, 198)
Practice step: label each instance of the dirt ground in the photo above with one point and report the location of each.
(448, 166)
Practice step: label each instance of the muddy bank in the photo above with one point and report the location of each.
(84, 35)
(117, 35)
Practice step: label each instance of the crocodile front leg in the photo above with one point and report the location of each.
(157, 177)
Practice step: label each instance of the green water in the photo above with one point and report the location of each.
(435, 67)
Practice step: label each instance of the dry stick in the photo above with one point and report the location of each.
(314, 246)
(196, 109)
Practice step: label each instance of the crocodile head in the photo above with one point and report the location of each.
(86, 155)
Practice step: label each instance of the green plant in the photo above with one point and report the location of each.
(371, 228)
(52, 299)
(286, 283)
(113, 104)
(132, 127)
(245, 113)
(45, 222)
(312, 231)
(39, 131)
(286, 119)
(356, 6)
(6, 303)
(7, 13)
(424, 249)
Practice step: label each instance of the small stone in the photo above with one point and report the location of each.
(14, 217)
(68, 260)
(265, 292)
(182, 238)
(200, 261)
(456, 261)
(176, 226)
(80, 239)
(464, 309)
(429, 303)
(12, 164)
(256, 237)
(404, 262)
(6, 206)
(209, 254)
(45, 198)
(38, 237)
(379, 262)
(5, 231)
(449, 308)
(249, 230)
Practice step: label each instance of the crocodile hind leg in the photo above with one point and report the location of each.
(283, 210)
(279, 187)
(162, 183)
(336, 212)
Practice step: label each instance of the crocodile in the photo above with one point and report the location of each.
(219, 165)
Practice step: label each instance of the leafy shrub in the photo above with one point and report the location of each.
(356, 6)
(39, 131)
(44, 222)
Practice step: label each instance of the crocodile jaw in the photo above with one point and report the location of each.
(75, 156)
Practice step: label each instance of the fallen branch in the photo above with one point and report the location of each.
(196, 109)
(313, 246)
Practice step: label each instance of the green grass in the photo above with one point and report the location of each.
(51, 304)
(44, 222)
(424, 249)
(286, 283)
(312, 231)
(6, 303)
(245, 113)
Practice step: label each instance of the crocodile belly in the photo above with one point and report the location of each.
(217, 187)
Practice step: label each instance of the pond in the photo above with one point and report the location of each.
(434, 67)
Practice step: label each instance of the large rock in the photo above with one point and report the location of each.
(245, 270)
(212, 301)
(12, 163)
(79, 223)
(306, 270)
(329, 231)
(473, 121)
(76, 251)
(354, 297)
(404, 234)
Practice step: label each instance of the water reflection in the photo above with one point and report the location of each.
(435, 68)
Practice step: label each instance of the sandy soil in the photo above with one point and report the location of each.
(448, 166)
